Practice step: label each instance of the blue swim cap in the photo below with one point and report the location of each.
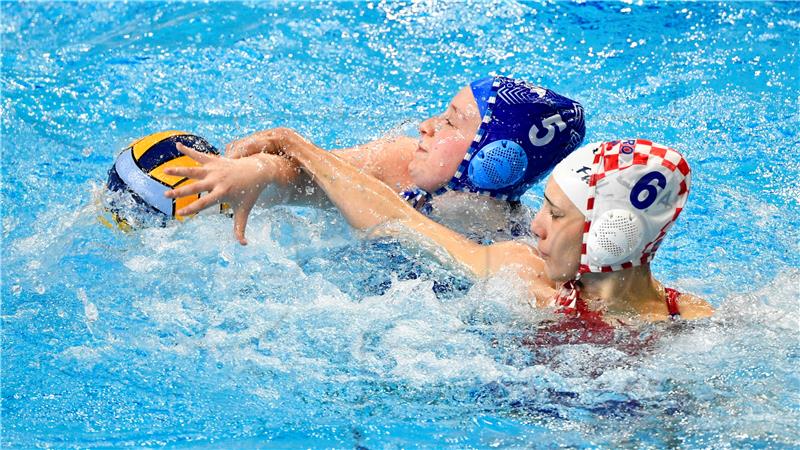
(526, 130)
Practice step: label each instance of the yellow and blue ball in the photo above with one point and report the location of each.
(137, 181)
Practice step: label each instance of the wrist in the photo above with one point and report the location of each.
(298, 147)
(283, 140)
(277, 169)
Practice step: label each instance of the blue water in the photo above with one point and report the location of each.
(311, 337)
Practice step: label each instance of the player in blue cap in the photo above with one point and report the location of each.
(497, 138)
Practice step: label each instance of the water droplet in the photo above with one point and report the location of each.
(91, 312)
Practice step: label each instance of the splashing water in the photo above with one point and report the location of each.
(310, 336)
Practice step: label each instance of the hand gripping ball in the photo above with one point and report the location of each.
(137, 181)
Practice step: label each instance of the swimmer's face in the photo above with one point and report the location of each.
(559, 226)
(444, 141)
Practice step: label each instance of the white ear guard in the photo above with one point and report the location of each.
(615, 237)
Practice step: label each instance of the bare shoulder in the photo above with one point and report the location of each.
(391, 151)
(694, 307)
(399, 146)
(386, 159)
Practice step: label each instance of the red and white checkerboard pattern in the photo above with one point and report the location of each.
(615, 156)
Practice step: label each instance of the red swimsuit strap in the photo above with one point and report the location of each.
(569, 294)
(569, 298)
(672, 302)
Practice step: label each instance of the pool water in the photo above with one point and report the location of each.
(312, 337)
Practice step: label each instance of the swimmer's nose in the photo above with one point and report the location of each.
(427, 127)
(537, 228)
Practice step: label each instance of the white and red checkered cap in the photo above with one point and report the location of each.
(572, 174)
(630, 193)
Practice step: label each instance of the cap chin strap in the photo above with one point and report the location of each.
(418, 198)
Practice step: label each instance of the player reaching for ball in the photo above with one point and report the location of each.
(468, 168)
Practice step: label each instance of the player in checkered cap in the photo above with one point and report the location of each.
(607, 208)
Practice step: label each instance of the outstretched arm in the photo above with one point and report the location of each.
(386, 159)
(256, 162)
(367, 203)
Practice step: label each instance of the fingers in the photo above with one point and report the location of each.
(240, 222)
(189, 189)
(198, 173)
(272, 141)
(200, 157)
(199, 205)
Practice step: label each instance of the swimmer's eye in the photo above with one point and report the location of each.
(547, 208)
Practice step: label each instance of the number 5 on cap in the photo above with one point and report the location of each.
(547, 124)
